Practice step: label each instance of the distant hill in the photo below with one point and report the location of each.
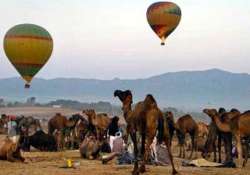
(185, 90)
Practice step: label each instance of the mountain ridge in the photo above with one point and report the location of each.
(185, 89)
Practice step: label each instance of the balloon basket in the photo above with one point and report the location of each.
(163, 44)
(27, 86)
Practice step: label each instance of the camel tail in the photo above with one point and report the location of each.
(160, 135)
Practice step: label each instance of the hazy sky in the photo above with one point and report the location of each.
(111, 38)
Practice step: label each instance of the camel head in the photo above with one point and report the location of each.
(169, 115)
(115, 119)
(222, 110)
(126, 99)
(123, 95)
(90, 113)
(211, 112)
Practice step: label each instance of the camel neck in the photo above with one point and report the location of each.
(224, 127)
(126, 112)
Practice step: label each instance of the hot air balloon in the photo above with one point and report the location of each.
(28, 47)
(163, 18)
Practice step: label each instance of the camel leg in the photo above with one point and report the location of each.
(194, 147)
(239, 149)
(228, 147)
(215, 152)
(17, 155)
(192, 150)
(183, 151)
(219, 147)
(184, 145)
(146, 153)
(10, 157)
(134, 140)
(180, 153)
(143, 139)
(245, 152)
(170, 156)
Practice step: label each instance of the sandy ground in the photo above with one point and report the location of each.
(43, 163)
(39, 112)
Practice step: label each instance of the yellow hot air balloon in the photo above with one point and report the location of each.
(163, 18)
(28, 47)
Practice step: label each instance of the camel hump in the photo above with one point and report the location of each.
(247, 112)
(150, 98)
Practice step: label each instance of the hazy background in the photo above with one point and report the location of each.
(108, 39)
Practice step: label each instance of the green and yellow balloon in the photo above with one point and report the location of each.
(28, 47)
(163, 18)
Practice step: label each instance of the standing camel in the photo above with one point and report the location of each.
(239, 126)
(186, 125)
(99, 121)
(146, 118)
(171, 125)
(59, 123)
(214, 139)
(227, 136)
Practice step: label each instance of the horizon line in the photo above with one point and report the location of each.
(117, 78)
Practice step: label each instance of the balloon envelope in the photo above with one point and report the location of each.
(163, 18)
(28, 47)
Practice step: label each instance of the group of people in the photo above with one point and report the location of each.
(9, 124)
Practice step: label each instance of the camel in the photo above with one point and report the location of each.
(29, 121)
(81, 130)
(59, 122)
(214, 139)
(239, 126)
(10, 151)
(100, 121)
(145, 119)
(227, 136)
(89, 148)
(171, 125)
(202, 129)
(184, 125)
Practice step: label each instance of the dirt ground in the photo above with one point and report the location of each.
(43, 163)
(38, 112)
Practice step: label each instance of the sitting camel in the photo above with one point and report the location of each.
(239, 126)
(91, 148)
(10, 151)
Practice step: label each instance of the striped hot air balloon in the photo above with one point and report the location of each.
(163, 18)
(28, 47)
